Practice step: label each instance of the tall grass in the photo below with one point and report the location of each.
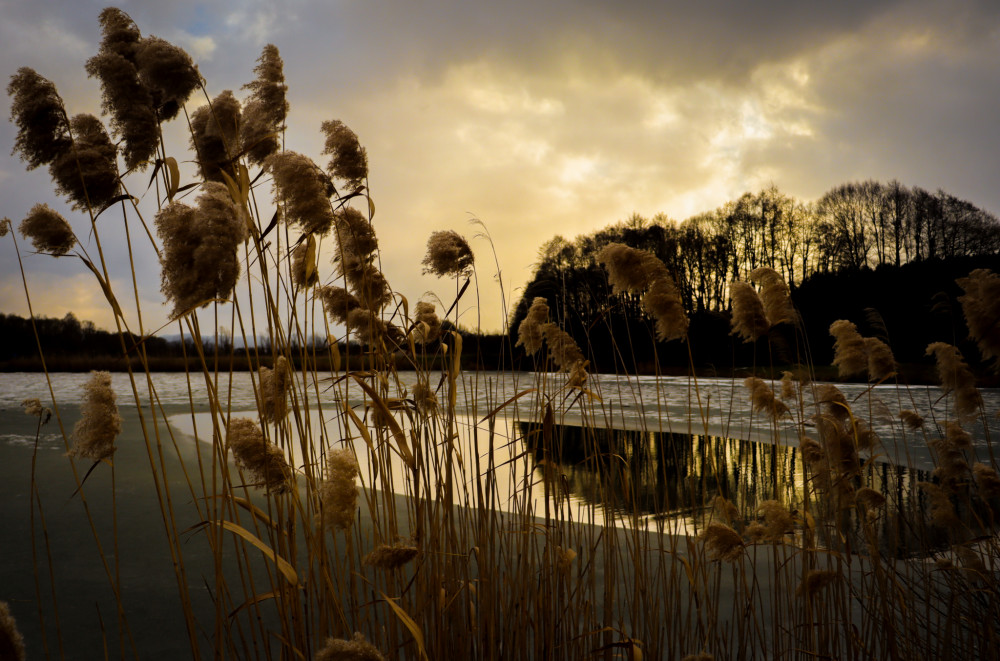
(374, 506)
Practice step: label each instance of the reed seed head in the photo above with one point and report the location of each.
(303, 188)
(199, 260)
(42, 124)
(424, 398)
(749, 321)
(87, 171)
(367, 327)
(125, 98)
(663, 303)
(722, 542)
(428, 325)
(33, 407)
(774, 294)
(763, 400)
(214, 136)
(338, 491)
(957, 379)
(849, 356)
(942, 511)
(367, 281)
(169, 74)
(530, 334)
(778, 521)
(911, 419)
(393, 556)
(987, 480)
(348, 160)
(563, 350)
(981, 307)
(274, 385)
(725, 510)
(881, 362)
(630, 270)
(356, 649)
(832, 400)
(11, 641)
(95, 432)
(48, 231)
(263, 461)
(4, 226)
(448, 254)
(870, 498)
(815, 581)
(355, 234)
(265, 111)
(338, 302)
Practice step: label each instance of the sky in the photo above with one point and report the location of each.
(543, 118)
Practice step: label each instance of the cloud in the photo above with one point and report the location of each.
(563, 117)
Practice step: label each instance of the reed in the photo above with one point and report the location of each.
(364, 511)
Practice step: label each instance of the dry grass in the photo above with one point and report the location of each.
(395, 528)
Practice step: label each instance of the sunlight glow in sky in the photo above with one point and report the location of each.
(550, 119)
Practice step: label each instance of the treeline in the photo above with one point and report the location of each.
(855, 228)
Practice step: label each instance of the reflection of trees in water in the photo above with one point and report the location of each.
(676, 477)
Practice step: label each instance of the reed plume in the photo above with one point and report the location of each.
(48, 231)
(169, 74)
(448, 253)
(774, 294)
(42, 124)
(338, 492)
(301, 265)
(788, 389)
(348, 160)
(832, 400)
(215, 135)
(125, 98)
(815, 581)
(749, 321)
(11, 641)
(99, 424)
(631, 270)
(663, 303)
(956, 378)
(274, 386)
(427, 325)
(355, 234)
(264, 461)
(763, 399)
(869, 498)
(338, 302)
(942, 511)
(722, 542)
(881, 362)
(725, 510)
(33, 406)
(356, 649)
(981, 307)
(911, 419)
(265, 111)
(368, 328)
(778, 521)
(304, 189)
(4, 226)
(367, 281)
(530, 334)
(393, 556)
(199, 261)
(87, 171)
(563, 350)
(987, 480)
(849, 355)
(424, 398)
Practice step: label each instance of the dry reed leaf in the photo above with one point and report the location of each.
(285, 567)
(407, 621)
(394, 428)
